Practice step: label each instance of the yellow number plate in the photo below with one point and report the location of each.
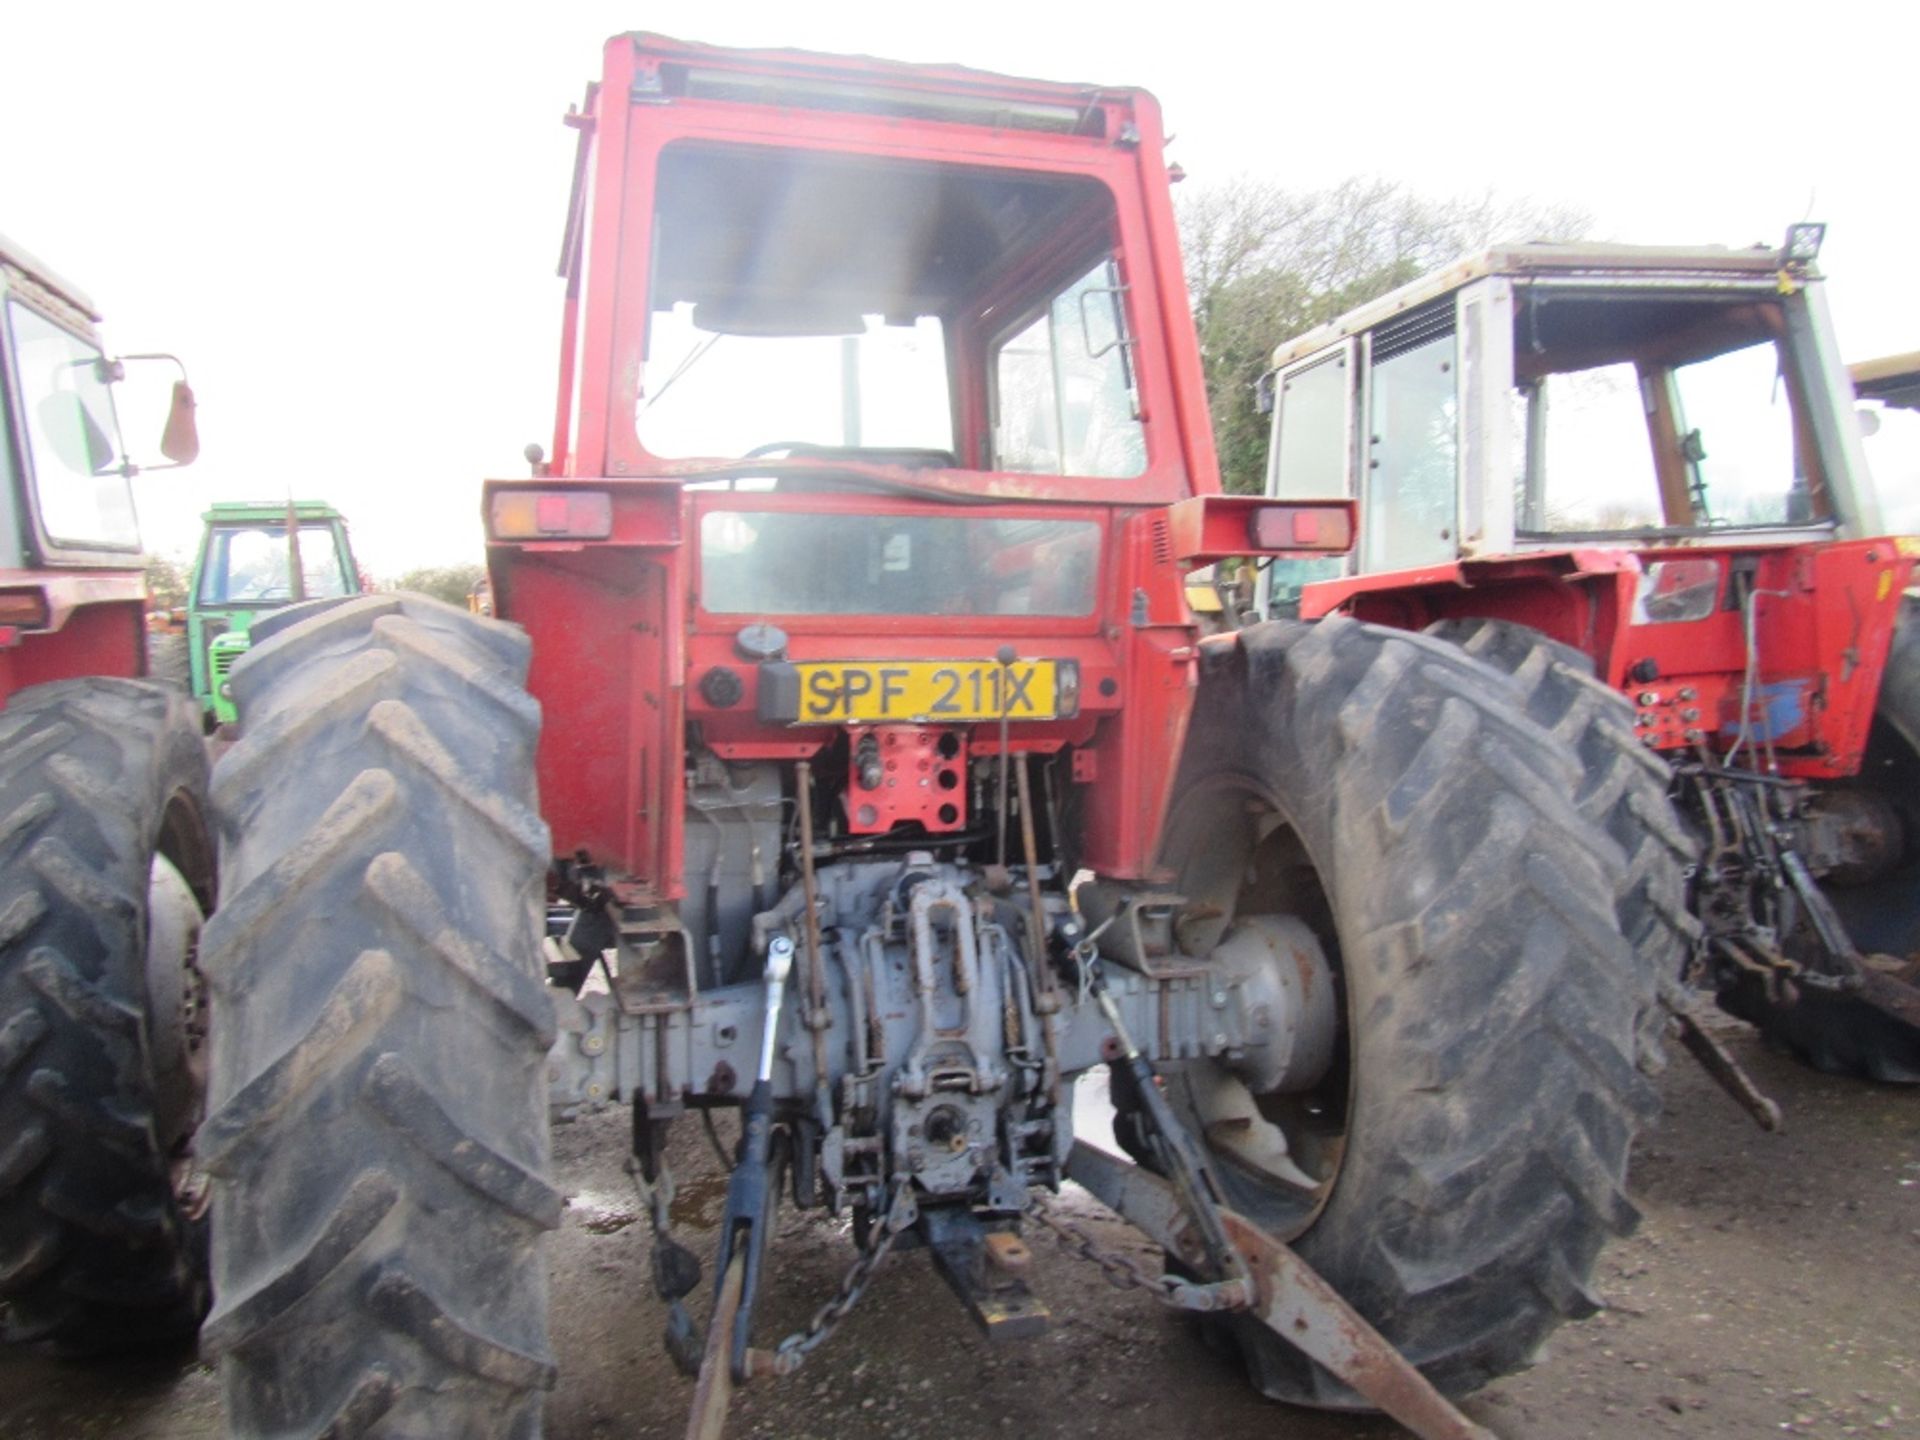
(929, 691)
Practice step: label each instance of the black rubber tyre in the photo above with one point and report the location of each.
(1883, 916)
(377, 1127)
(1623, 791)
(97, 1252)
(1488, 1082)
(1873, 1034)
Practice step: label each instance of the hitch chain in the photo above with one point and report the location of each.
(791, 1353)
(674, 1278)
(1123, 1272)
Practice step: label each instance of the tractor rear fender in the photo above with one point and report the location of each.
(1582, 598)
(95, 625)
(1823, 615)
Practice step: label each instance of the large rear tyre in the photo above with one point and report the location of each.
(1462, 1159)
(378, 1124)
(1883, 915)
(105, 870)
(1623, 790)
(1873, 1033)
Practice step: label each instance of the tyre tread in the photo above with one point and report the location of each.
(379, 960)
(1622, 788)
(1469, 1208)
(95, 1254)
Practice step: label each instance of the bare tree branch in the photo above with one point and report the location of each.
(1265, 263)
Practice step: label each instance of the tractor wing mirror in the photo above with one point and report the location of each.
(180, 441)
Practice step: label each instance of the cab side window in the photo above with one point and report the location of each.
(1064, 390)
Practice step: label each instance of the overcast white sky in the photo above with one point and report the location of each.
(345, 218)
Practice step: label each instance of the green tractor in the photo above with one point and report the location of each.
(248, 566)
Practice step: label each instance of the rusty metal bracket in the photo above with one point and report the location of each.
(1291, 1299)
(1727, 1072)
(968, 1258)
(713, 1394)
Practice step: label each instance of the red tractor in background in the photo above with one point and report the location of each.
(106, 862)
(1631, 477)
(852, 761)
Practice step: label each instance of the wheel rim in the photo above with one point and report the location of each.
(176, 997)
(1240, 863)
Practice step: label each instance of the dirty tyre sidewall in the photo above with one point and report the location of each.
(1867, 1036)
(1623, 790)
(1492, 1003)
(1884, 915)
(97, 776)
(377, 1127)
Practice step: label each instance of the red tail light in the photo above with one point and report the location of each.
(24, 608)
(1308, 526)
(550, 515)
(1213, 527)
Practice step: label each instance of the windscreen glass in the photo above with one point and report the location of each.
(883, 386)
(1594, 455)
(814, 305)
(1736, 428)
(1641, 411)
(782, 562)
(247, 565)
(73, 439)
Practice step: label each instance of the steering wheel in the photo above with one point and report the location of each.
(790, 446)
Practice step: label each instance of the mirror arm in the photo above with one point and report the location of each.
(177, 362)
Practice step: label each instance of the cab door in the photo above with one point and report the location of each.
(1310, 457)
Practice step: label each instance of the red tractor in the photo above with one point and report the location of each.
(106, 863)
(852, 761)
(1632, 478)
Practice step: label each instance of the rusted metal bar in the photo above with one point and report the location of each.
(1290, 1298)
(713, 1393)
(1300, 1307)
(1046, 999)
(1726, 1071)
(817, 1018)
(1036, 914)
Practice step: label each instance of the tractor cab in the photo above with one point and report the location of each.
(248, 566)
(869, 373)
(1551, 397)
(1647, 464)
(1636, 451)
(72, 582)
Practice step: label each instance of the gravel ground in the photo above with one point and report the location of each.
(1770, 1290)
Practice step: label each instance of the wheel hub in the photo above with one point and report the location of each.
(176, 997)
(1285, 987)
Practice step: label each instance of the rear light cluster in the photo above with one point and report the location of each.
(550, 515)
(1301, 527)
(1206, 529)
(24, 609)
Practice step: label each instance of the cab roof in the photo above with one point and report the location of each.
(1665, 264)
(18, 257)
(229, 512)
(807, 79)
(1892, 379)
